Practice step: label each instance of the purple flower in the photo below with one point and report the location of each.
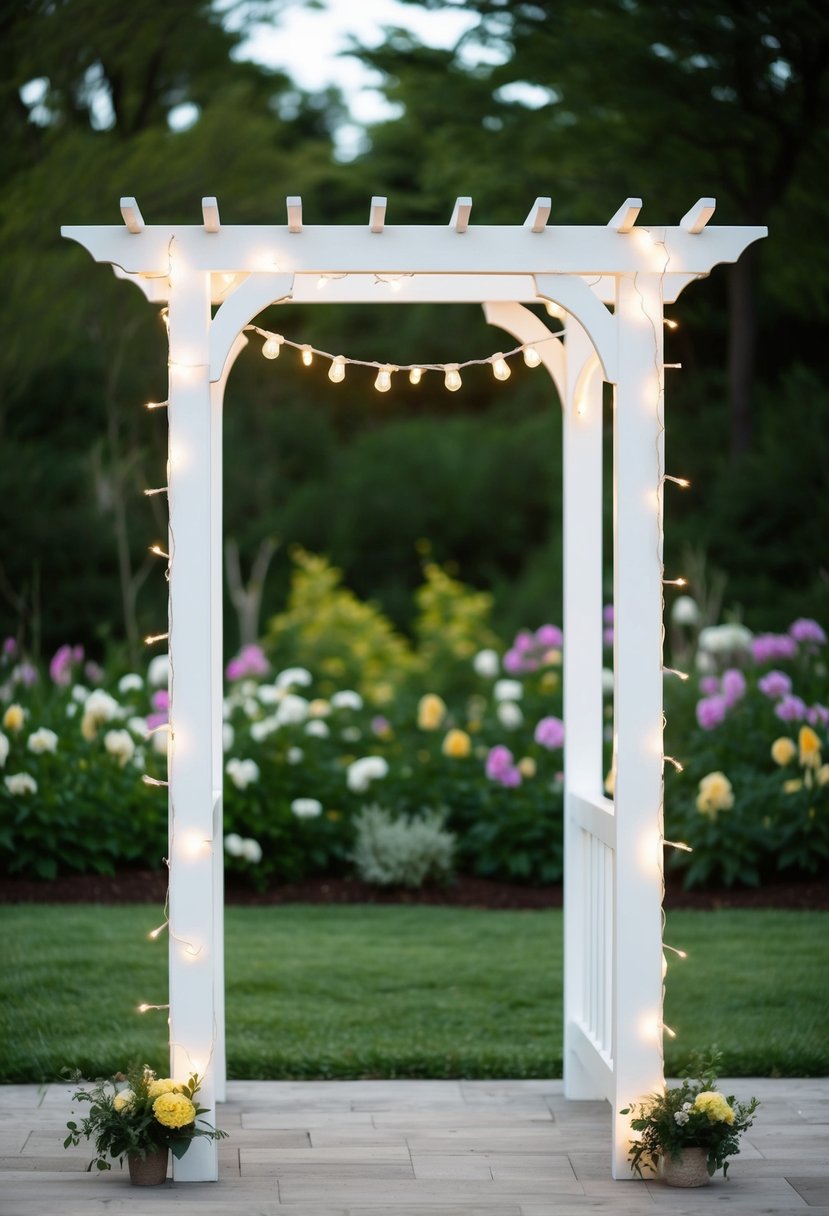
(711, 712)
(513, 663)
(771, 647)
(10, 647)
(806, 630)
(250, 661)
(549, 636)
(550, 733)
(94, 672)
(790, 709)
(501, 768)
(380, 725)
(524, 641)
(607, 636)
(733, 686)
(161, 701)
(607, 614)
(775, 684)
(77, 654)
(60, 668)
(710, 685)
(818, 714)
(26, 674)
(154, 720)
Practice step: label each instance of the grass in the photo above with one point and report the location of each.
(397, 991)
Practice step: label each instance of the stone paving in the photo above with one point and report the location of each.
(417, 1148)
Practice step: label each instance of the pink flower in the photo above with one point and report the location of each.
(514, 663)
(524, 641)
(711, 712)
(733, 686)
(9, 647)
(775, 684)
(818, 714)
(771, 647)
(154, 720)
(790, 709)
(608, 614)
(607, 637)
(550, 733)
(549, 637)
(60, 668)
(500, 767)
(250, 661)
(806, 630)
(160, 700)
(710, 685)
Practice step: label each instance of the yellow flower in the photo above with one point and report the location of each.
(550, 681)
(13, 717)
(553, 658)
(174, 1110)
(319, 708)
(431, 711)
(714, 1106)
(457, 744)
(823, 775)
(715, 794)
(791, 787)
(89, 727)
(123, 1100)
(783, 750)
(809, 747)
(164, 1085)
(527, 766)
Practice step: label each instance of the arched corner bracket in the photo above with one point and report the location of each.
(528, 329)
(238, 310)
(577, 298)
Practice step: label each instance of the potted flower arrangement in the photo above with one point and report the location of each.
(689, 1131)
(142, 1117)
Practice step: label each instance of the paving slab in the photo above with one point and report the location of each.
(418, 1148)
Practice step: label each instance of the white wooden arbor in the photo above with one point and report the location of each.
(610, 284)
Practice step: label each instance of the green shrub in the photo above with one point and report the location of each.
(402, 850)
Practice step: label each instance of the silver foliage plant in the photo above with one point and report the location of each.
(399, 850)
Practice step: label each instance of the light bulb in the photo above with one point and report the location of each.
(307, 356)
(452, 379)
(383, 381)
(321, 281)
(336, 371)
(500, 367)
(671, 324)
(553, 310)
(272, 347)
(531, 356)
(415, 375)
(227, 279)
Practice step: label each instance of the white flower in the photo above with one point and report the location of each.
(20, 783)
(306, 808)
(234, 844)
(508, 690)
(294, 677)
(4, 750)
(486, 664)
(317, 728)
(295, 755)
(269, 694)
(79, 693)
(158, 672)
(361, 773)
(681, 1117)
(685, 611)
(319, 708)
(161, 739)
(227, 736)
(259, 731)
(71, 709)
(131, 682)
(43, 740)
(138, 759)
(120, 744)
(292, 709)
(138, 726)
(607, 681)
(706, 664)
(346, 698)
(351, 734)
(252, 851)
(723, 639)
(509, 715)
(101, 707)
(242, 772)
(251, 707)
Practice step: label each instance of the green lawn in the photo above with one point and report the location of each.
(388, 991)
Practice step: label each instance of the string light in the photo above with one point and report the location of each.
(148, 780)
(307, 355)
(680, 768)
(272, 346)
(152, 638)
(672, 671)
(159, 490)
(154, 933)
(383, 381)
(670, 1033)
(415, 375)
(671, 324)
(678, 844)
(336, 372)
(673, 366)
(682, 482)
(673, 950)
(159, 552)
(157, 405)
(675, 582)
(531, 356)
(452, 379)
(500, 367)
(144, 1008)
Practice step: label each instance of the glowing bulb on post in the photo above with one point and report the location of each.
(272, 347)
(553, 310)
(531, 356)
(415, 375)
(500, 367)
(336, 372)
(383, 381)
(307, 356)
(452, 379)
